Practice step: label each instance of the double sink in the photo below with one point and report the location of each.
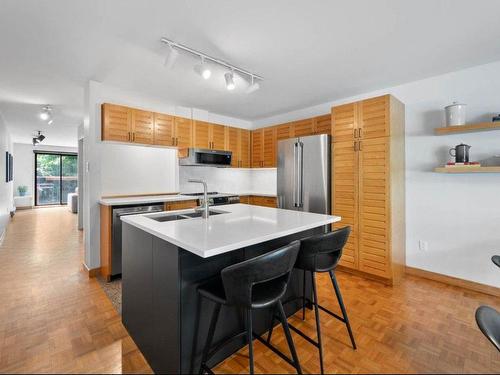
(165, 216)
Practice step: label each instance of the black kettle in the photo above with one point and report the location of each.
(460, 153)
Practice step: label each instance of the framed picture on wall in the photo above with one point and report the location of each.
(6, 166)
(11, 167)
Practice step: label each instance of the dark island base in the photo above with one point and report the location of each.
(161, 308)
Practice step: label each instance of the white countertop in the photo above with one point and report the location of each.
(145, 199)
(163, 198)
(243, 225)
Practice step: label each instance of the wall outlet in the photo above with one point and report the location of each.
(423, 245)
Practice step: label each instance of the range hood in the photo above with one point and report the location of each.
(201, 157)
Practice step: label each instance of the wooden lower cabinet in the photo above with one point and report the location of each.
(245, 199)
(106, 244)
(181, 205)
(263, 201)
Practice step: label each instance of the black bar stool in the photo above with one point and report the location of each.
(321, 253)
(256, 283)
(488, 319)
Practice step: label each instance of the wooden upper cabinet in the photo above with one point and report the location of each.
(374, 117)
(238, 142)
(323, 124)
(345, 197)
(284, 131)
(201, 134)
(269, 148)
(116, 123)
(183, 135)
(257, 148)
(142, 126)
(163, 130)
(208, 135)
(303, 128)
(374, 206)
(232, 135)
(244, 147)
(345, 122)
(218, 136)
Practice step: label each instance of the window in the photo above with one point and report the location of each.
(56, 175)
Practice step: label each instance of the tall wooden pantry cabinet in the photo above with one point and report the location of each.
(368, 187)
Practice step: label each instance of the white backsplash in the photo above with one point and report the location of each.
(229, 180)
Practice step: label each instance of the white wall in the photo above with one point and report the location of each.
(5, 187)
(24, 164)
(459, 215)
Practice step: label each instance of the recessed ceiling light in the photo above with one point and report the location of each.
(45, 114)
(229, 81)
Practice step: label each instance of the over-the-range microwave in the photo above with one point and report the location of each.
(206, 158)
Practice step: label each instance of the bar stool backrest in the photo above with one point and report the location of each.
(275, 266)
(321, 253)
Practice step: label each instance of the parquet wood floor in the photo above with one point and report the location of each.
(53, 319)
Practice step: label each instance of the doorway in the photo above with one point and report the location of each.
(56, 175)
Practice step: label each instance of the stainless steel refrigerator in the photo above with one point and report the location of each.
(304, 166)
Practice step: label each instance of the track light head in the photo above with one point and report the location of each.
(203, 69)
(44, 116)
(50, 122)
(171, 57)
(39, 138)
(254, 86)
(229, 76)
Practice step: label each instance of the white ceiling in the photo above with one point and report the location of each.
(309, 52)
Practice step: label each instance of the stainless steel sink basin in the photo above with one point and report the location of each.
(188, 215)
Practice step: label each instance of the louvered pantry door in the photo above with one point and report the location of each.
(345, 197)
(374, 117)
(374, 225)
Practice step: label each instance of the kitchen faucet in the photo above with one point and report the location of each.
(204, 207)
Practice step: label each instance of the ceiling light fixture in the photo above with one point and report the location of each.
(37, 139)
(50, 122)
(254, 86)
(45, 114)
(171, 57)
(204, 71)
(229, 76)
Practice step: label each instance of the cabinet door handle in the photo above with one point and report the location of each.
(133, 136)
(360, 148)
(360, 132)
(355, 145)
(173, 141)
(177, 141)
(355, 133)
(129, 137)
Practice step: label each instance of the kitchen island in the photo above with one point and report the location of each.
(167, 255)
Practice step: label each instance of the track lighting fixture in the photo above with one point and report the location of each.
(171, 56)
(204, 70)
(229, 76)
(254, 86)
(50, 122)
(45, 114)
(39, 138)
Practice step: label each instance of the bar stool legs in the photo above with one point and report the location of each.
(342, 307)
(288, 336)
(210, 336)
(318, 325)
(248, 314)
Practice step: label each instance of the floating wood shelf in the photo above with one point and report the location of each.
(482, 126)
(467, 170)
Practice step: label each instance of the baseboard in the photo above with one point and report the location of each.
(365, 275)
(91, 272)
(455, 281)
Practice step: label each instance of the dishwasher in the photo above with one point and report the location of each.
(116, 236)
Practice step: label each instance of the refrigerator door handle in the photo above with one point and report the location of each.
(295, 174)
(300, 170)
